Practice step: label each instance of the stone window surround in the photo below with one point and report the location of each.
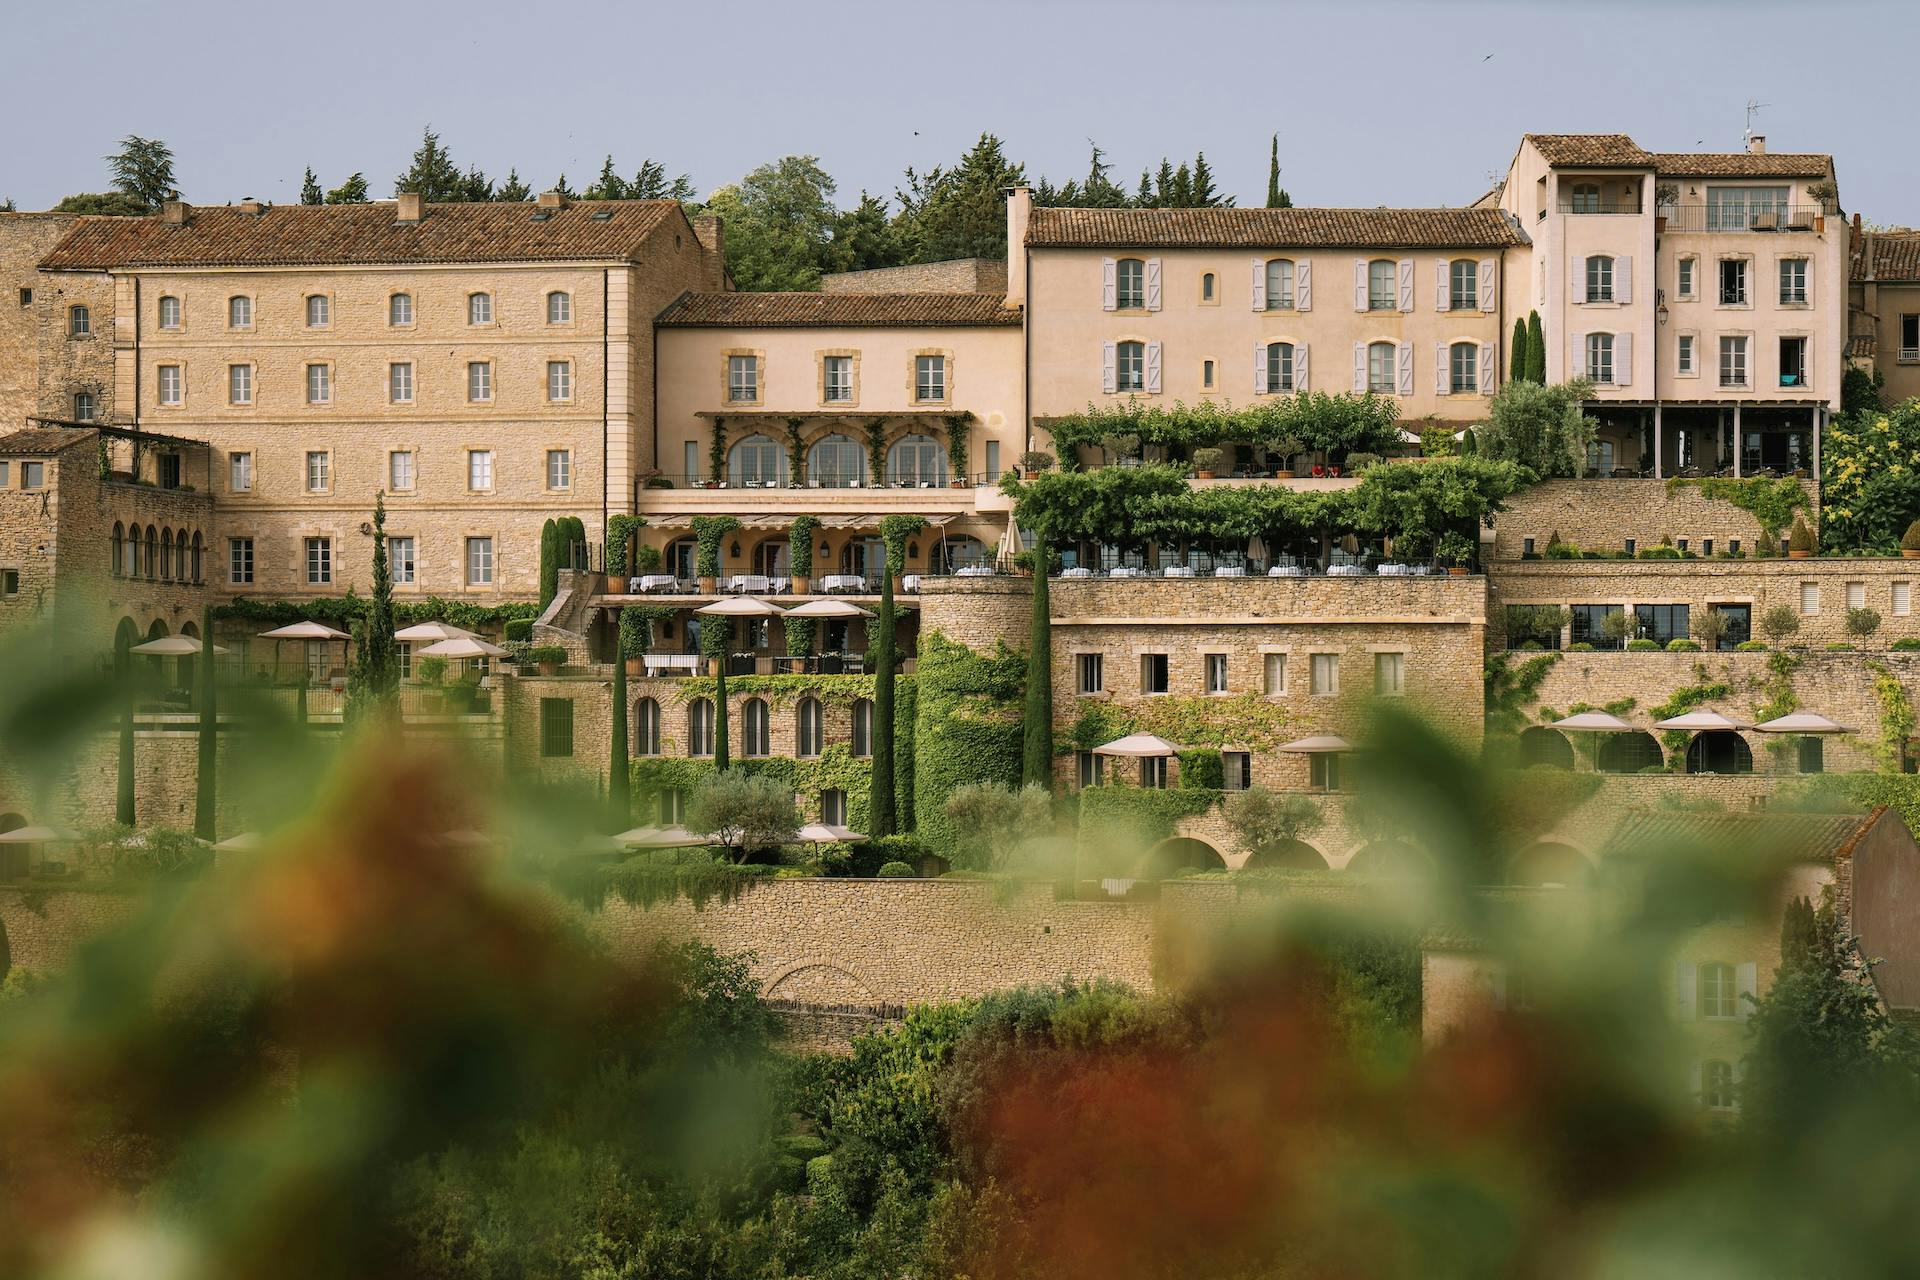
(545, 450)
(852, 354)
(331, 476)
(253, 558)
(172, 362)
(1694, 372)
(306, 383)
(1227, 692)
(413, 385)
(493, 309)
(759, 381)
(170, 330)
(1200, 289)
(1312, 651)
(492, 536)
(1753, 355)
(419, 562)
(493, 468)
(413, 308)
(1267, 343)
(913, 377)
(305, 298)
(1779, 258)
(253, 469)
(253, 313)
(253, 386)
(1752, 285)
(546, 376)
(1478, 374)
(298, 549)
(546, 302)
(1286, 683)
(386, 476)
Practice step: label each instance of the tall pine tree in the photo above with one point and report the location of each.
(433, 174)
(310, 190)
(376, 667)
(205, 795)
(1036, 763)
(1277, 197)
(880, 807)
(619, 774)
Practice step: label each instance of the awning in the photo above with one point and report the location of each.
(785, 519)
(1319, 744)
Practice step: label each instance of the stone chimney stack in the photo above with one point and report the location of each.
(707, 229)
(1757, 144)
(1019, 213)
(552, 200)
(411, 209)
(175, 213)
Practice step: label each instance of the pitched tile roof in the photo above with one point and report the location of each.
(1741, 164)
(356, 234)
(1590, 151)
(839, 311)
(1823, 837)
(1888, 255)
(43, 440)
(1272, 229)
(1862, 345)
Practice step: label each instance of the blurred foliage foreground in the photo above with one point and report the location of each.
(372, 1051)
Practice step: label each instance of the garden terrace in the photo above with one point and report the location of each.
(1693, 439)
(914, 449)
(1309, 433)
(755, 540)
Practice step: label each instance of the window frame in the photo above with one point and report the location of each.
(1126, 296)
(930, 382)
(1376, 299)
(1599, 281)
(240, 386)
(1280, 368)
(318, 379)
(560, 382)
(170, 303)
(240, 471)
(1282, 276)
(1389, 673)
(1467, 384)
(565, 307)
(404, 571)
(1389, 384)
(319, 466)
(480, 465)
(1599, 359)
(743, 378)
(480, 309)
(394, 467)
(319, 560)
(564, 484)
(1323, 663)
(1130, 354)
(479, 382)
(239, 561)
(400, 382)
(399, 301)
(478, 565)
(1090, 673)
(79, 321)
(1463, 297)
(316, 310)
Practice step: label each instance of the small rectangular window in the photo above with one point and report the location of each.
(480, 308)
(1216, 673)
(400, 383)
(837, 379)
(1793, 282)
(556, 727)
(1683, 282)
(479, 469)
(1276, 674)
(400, 309)
(318, 311)
(1206, 374)
(400, 560)
(559, 380)
(1733, 282)
(33, 475)
(993, 461)
(1236, 770)
(1153, 673)
(929, 378)
(319, 471)
(559, 469)
(1323, 771)
(1809, 598)
(1902, 599)
(1856, 595)
(479, 381)
(1326, 675)
(319, 562)
(169, 384)
(743, 379)
(240, 472)
(9, 582)
(1683, 360)
(1389, 674)
(400, 470)
(240, 561)
(479, 562)
(1092, 669)
(1733, 362)
(239, 384)
(1092, 769)
(319, 384)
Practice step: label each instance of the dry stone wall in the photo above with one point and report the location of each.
(1600, 515)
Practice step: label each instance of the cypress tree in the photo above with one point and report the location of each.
(1536, 350)
(549, 562)
(1517, 372)
(1277, 197)
(123, 790)
(310, 190)
(376, 668)
(880, 809)
(1036, 766)
(204, 793)
(619, 777)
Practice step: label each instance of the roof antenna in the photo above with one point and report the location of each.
(1753, 106)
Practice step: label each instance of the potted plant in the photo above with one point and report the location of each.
(431, 672)
(1800, 543)
(1204, 461)
(1124, 447)
(636, 636)
(1827, 194)
(1033, 463)
(1286, 448)
(1457, 550)
(800, 553)
(547, 657)
(1910, 542)
(1665, 196)
(709, 532)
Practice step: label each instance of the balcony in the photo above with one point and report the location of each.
(1771, 219)
(1601, 206)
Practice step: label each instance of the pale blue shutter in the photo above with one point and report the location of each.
(1488, 368)
(1406, 368)
(1303, 285)
(1153, 368)
(1577, 356)
(1259, 368)
(1109, 285)
(1359, 284)
(1489, 286)
(1359, 367)
(1623, 279)
(1623, 360)
(1442, 295)
(1442, 373)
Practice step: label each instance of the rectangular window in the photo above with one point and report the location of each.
(1910, 338)
(1130, 366)
(1902, 599)
(1856, 595)
(1093, 673)
(929, 378)
(1389, 674)
(400, 560)
(690, 459)
(993, 461)
(743, 379)
(1661, 623)
(318, 311)
(479, 381)
(1275, 672)
(1600, 358)
(1383, 286)
(400, 309)
(1130, 284)
(400, 470)
(559, 469)
(1793, 282)
(1206, 374)
(319, 471)
(240, 472)
(1590, 626)
(1093, 769)
(559, 380)
(169, 384)
(400, 383)
(1323, 771)
(1683, 357)
(1380, 366)
(1464, 358)
(1793, 362)
(5, 475)
(556, 727)
(1733, 282)
(1746, 208)
(1599, 278)
(9, 582)
(319, 384)
(239, 384)
(1733, 362)
(480, 308)
(319, 562)
(1463, 280)
(1236, 770)
(837, 379)
(1216, 673)
(1153, 673)
(1684, 278)
(169, 310)
(33, 475)
(1325, 680)
(240, 561)
(479, 562)
(479, 469)
(1809, 598)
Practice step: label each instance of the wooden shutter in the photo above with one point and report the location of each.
(1359, 284)
(1109, 370)
(1442, 295)
(1299, 367)
(1489, 283)
(1577, 279)
(1489, 368)
(1303, 285)
(1259, 368)
(1623, 360)
(1405, 368)
(1577, 356)
(1442, 370)
(1153, 284)
(1745, 983)
(1259, 284)
(1359, 367)
(1809, 266)
(1109, 286)
(1153, 368)
(1623, 279)
(1686, 1001)
(1406, 284)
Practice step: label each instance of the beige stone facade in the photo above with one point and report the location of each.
(1604, 515)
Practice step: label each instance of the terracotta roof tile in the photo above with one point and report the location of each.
(349, 235)
(1822, 837)
(1888, 255)
(1862, 346)
(1272, 229)
(1741, 164)
(43, 440)
(1591, 151)
(840, 311)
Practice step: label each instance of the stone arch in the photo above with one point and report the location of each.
(125, 636)
(1545, 748)
(756, 458)
(1550, 862)
(1291, 855)
(1182, 853)
(1390, 858)
(815, 981)
(1719, 751)
(11, 822)
(1630, 751)
(769, 556)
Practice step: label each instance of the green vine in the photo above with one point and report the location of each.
(621, 529)
(1243, 721)
(800, 545)
(1896, 718)
(894, 531)
(343, 611)
(1683, 700)
(781, 691)
(717, 451)
(1510, 689)
(1779, 698)
(708, 533)
(1771, 502)
(796, 453)
(967, 727)
(959, 425)
(1118, 814)
(1313, 421)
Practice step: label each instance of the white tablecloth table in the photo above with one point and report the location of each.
(1286, 571)
(1229, 571)
(1346, 571)
(1391, 570)
(1177, 571)
(652, 582)
(910, 582)
(1124, 572)
(974, 571)
(1078, 571)
(658, 662)
(842, 582)
(750, 583)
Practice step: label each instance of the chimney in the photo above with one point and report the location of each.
(250, 205)
(175, 213)
(1756, 144)
(411, 208)
(552, 200)
(713, 250)
(1019, 213)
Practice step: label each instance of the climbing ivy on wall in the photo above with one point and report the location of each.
(1509, 689)
(1771, 502)
(1896, 718)
(1683, 700)
(1118, 816)
(1245, 721)
(343, 611)
(836, 767)
(967, 727)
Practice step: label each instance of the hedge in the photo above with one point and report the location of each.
(967, 728)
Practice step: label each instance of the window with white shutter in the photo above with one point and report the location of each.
(1361, 294)
(1109, 368)
(1259, 284)
(1109, 284)
(1442, 297)
(1440, 387)
(1577, 356)
(1489, 287)
(1623, 360)
(1488, 363)
(1359, 367)
(1623, 279)
(1260, 368)
(1406, 368)
(1299, 366)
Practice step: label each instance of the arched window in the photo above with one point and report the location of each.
(833, 807)
(195, 565)
(700, 727)
(963, 552)
(808, 731)
(758, 726)
(864, 557)
(166, 555)
(646, 727)
(770, 558)
(1280, 284)
(837, 462)
(862, 728)
(1129, 366)
(400, 309)
(680, 557)
(1586, 197)
(1720, 751)
(1130, 284)
(116, 554)
(169, 312)
(757, 463)
(239, 312)
(83, 406)
(1629, 752)
(79, 321)
(1600, 358)
(559, 307)
(479, 308)
(1383, 285)
(1716, 1085)
(1463, 364)
(1206, 286)
(132, 559)
(1380, 379)
(1718, 995)
(1599, 278)
(917, 461)
(1279, 364)
(1541, 747)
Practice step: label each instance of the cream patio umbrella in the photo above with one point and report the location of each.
(661, 838)
(825, 833)
(171, 647)
(1703, 721)
(829, 608)
(1138, 746)
(1009, 546)
(741, 607)
(1593, 722)
(430, 632)
(1805, 723)
(304, 631)
(39, 835)
(1318, 744)
(462, 646)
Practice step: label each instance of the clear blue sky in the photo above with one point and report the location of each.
(1387, 103)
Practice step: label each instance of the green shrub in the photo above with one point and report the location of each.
(1801, 539)
(552, 653)
(1910, 540)
(1751, 646)
(647, 559)
(1207, 459)
(895, 871)
(519, 629)
(1036, 461)
(1580, 646)
(1840, 647)
(430, 670)
(1642, 646)
(1906, 644)
(1862, 623)
(1683, 646)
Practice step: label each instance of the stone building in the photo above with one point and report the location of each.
(1883, 294)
